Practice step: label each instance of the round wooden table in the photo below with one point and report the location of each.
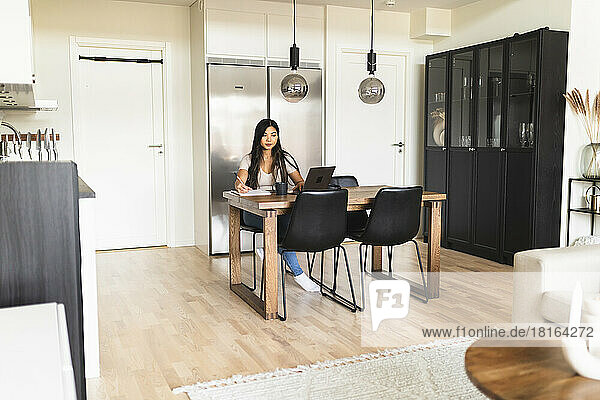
(526, 373)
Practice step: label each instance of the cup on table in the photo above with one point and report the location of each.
(281, 188)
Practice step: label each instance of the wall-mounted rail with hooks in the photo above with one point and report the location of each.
(13, 145)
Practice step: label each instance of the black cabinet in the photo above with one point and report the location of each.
(486, 202)
(436, 87)
(502, 118)
(460, 183)
(517, 202)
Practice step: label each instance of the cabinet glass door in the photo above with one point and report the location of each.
(461, 99)
(489, 98)
(522, 94)
(436, 102)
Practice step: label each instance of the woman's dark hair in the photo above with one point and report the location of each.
(279, 155)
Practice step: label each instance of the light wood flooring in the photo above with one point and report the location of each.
(167, 318)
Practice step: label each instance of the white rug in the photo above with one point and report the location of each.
(431, 371)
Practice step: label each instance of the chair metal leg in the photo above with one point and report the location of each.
(310, 263)
(363, 270)
(350, 279)
(321, 280)
(331, 294)
(284, 317)
(421, 268)
(336, 259)
(390, 254)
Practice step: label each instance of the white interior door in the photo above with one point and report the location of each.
(119, 128)
(366, 133)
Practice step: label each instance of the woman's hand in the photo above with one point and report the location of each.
(240, 181)
(298, 186)
(241, 188)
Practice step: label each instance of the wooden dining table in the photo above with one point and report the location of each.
(270, 206)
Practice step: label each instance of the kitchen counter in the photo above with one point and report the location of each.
(85, 192)
(39, 246)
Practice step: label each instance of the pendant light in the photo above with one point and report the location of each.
(371, 89)
(293, 86)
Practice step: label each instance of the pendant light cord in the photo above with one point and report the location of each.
(294, 22)
(372, 22)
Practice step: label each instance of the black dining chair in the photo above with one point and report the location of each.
(317, 224)
(394, 220)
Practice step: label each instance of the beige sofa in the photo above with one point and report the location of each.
(544, 279)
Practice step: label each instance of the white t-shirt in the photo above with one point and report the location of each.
(265, 181)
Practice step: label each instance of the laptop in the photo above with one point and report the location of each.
(318, 178)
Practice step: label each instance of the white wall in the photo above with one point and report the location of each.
(583, 73)
(350, 28)
(199, 129)
(488, 20)
(55, 21)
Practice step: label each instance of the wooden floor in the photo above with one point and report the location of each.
(167, 318)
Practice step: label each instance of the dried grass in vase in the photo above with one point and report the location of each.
(588, 115)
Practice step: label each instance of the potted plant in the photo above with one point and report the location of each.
(589, 117)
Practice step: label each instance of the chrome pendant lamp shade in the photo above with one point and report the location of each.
(293, 86)
(371, 89)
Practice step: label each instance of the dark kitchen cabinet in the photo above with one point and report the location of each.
(436, 86)
(40, 252)
(502, 145)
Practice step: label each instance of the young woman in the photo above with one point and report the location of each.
(266, 164)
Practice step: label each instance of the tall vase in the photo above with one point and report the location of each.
(590, 161)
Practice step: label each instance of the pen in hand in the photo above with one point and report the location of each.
(243, 188)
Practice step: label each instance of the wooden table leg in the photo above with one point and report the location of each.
(271, 284)
(235, 256)
(376, 258)
(433, 249)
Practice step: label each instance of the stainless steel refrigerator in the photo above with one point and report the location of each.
(239, 97)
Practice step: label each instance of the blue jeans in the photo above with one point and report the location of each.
(283, 221)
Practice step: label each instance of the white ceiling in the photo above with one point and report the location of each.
(401, 5)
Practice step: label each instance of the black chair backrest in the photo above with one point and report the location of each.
(343, 181)
(318, 221)
(395, 216)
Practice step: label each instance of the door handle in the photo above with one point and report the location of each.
(502, 149)
(400, 145)
(155, 146)
(471, 148)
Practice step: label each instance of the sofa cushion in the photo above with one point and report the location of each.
(556, 306)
